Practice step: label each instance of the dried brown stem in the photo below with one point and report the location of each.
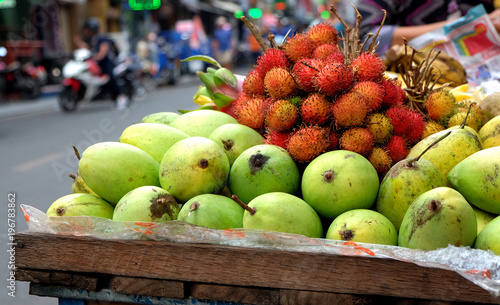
(255, 32)
(77, 154)
(252, 211)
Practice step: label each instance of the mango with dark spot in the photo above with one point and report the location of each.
(235, 139)
(263, 169)
(194, 166)
(436, 219)
(403, 183)
(212, 211)
(363, 225)
(112, 169)
(339, 181)
(461, 143)
(147, 203)
(489, 237)
(81, 204)
(477, 178)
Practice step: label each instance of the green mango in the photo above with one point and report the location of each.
(460, 144)
(339, 181)
(436, 219)
(482, 217)
(489, 237)
(362, 225)
(79, 186)
(235, 139)
(147, 203)
(212, 211)
(192, 167)
(112, 169)
(477, 178)
(263, 169)
(165, 118)
(405, 181)
(155, 139)
(202, 123)
(402, 184)
(81, 204)
(282, 212)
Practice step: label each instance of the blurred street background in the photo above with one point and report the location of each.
(37, 39)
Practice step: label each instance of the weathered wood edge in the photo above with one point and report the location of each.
(248, 267)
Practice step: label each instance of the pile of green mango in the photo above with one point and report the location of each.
(204, 168)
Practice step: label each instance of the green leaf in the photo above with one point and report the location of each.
(224, 75)
(205, 58)
(222, 100)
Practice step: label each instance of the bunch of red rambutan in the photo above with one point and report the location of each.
(308, 98)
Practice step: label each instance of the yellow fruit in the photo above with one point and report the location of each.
(490, 133)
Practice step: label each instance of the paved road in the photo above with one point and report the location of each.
(37, 157)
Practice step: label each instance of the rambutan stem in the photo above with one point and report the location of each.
(255, 32)
(77, 154)
(411, 162)
(252, 211)
(306, 64)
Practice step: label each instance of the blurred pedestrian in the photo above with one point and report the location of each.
(103, 53)
(412, 18)
(223, 44)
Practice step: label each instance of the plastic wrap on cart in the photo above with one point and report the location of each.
(479, 266)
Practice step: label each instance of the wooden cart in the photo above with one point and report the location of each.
(86, 270)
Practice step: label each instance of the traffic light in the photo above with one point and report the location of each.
(139, 5)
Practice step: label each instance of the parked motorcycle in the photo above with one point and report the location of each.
(83, 81)
(25, 80)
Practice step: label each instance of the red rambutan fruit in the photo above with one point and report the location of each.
(334, 140)
(305, 70)
(281, 116)
(440, 104)
(407, 123)
(334, 78)
(251, 111)
(368, 66)
(277, 138)
(380, 126)
(254, 84)
(279, 83)
(307, 143)
(394, 94)
(322, 33)
(373, 93)
(397, 149)
(358, 140)
(324, 50)
(269, 59)
(336, 57)
(380, 160)
(298, 47)
(316, 110)
(349, 109)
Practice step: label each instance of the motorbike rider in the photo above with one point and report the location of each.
(104, 55)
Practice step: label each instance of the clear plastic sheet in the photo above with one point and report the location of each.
(479, 266)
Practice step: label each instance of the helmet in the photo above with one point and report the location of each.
(92, 24)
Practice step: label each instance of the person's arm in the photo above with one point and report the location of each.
(410, 32)
(80, 43)
(103, 50)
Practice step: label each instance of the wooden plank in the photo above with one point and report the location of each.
(245, 267)
(149, 287)
(81, 281)
(292, 297)
(246, 295)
